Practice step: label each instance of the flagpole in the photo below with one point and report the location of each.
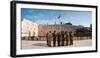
(60, 22)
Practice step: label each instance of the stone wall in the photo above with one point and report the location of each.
(43, 29)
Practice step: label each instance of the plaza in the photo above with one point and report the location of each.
(28, 44)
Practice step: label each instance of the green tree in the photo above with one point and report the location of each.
(69, 23)
(83, 32)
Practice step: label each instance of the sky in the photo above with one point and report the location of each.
(49, 16)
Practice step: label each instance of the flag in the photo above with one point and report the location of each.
(59, 16)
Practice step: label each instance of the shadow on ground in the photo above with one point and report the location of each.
(40, 44)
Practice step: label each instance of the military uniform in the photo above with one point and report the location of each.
(58, 38)
(66, 36)
(54, 38)
(62, 38)
(49, 39)
(71, 38)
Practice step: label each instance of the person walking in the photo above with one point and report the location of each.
(54, 38)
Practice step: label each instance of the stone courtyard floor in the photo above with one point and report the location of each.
(28, 44)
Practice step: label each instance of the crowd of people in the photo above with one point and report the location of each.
(63, 38)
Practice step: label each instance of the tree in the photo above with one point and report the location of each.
(80, 25)
(83, 32)
(68, 23)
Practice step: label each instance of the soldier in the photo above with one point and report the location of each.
(62, 38)
(54, 38)
(49, 38)
(71, 38)
(58, 38)
(66, 36)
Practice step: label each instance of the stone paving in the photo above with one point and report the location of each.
(28, 44)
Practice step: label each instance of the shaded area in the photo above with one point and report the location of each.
(40, 44)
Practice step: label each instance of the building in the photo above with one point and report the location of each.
(43, 29)
(29, 28)
(36, 31)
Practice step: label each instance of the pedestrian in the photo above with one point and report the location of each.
(49, 39)
(58, 38)
(54, 38)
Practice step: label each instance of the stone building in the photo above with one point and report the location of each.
(43, 29)
(32, 30)
(28, 29)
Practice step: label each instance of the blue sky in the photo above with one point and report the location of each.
(44, 16)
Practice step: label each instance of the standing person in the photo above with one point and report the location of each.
(71, 38)
(58, 38)
(66, 36)
(62, 38)
(49, 38)
(29, 35)
(54, 38)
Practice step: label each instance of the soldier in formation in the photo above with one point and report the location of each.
(60, 38)
(49, 38)
(71, 35)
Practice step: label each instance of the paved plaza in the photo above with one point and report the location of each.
(28, 44)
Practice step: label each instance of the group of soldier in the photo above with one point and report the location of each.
(63, 38)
